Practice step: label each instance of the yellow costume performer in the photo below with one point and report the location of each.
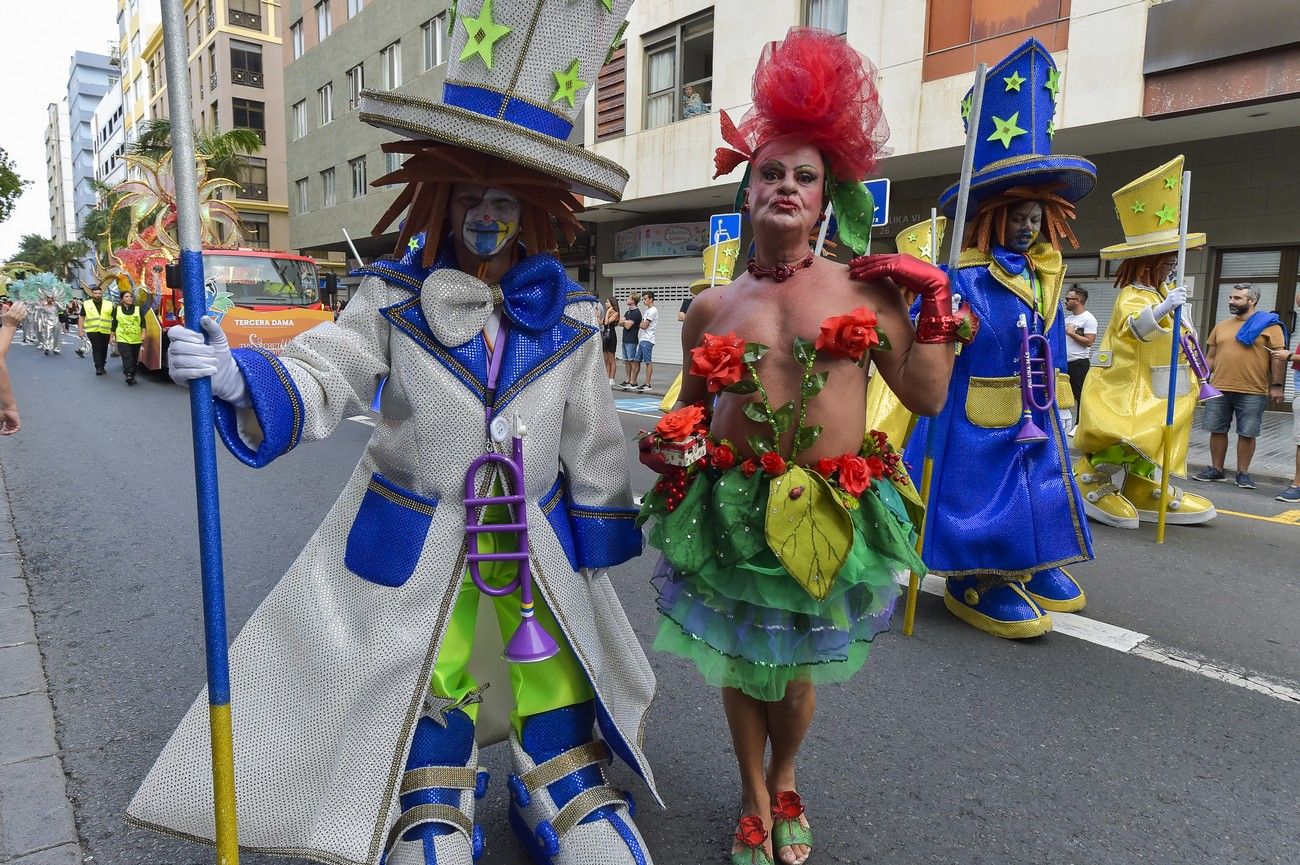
(1127, 387)
(719, 263)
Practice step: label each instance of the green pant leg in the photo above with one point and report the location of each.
(451, 678)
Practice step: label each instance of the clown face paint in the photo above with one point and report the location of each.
(489, 217)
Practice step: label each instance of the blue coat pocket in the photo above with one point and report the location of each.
(388, 534)
(555, 504)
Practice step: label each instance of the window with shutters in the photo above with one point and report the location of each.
(328, 197)
(356, 83)
(611, 95)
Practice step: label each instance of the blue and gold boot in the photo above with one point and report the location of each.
(1003, 609)
(561, 805)
(1055, 590)
(439, 786)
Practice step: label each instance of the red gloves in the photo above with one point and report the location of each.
(937, 321)
(649, 457)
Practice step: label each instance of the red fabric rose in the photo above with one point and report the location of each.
(680, 423)
(826, 466)
(850, 335)
(772, 463)
(876, 466)
(749, 467)
(719, 361)
(723, 457)
(750, 832)
(855, 475)
(788, 805)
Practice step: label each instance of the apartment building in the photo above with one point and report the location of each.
(333, 50)
(89, 78)
(108, 126)
(1142, 81)
(136, 22)
(58, 173)
(235, 81)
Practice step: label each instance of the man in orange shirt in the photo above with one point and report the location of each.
(1240, 355)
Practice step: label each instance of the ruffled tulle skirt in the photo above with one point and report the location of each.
(746, 623)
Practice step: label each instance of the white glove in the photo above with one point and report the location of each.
(189, 357)
(1177, 297)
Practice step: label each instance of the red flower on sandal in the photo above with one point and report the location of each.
(750, 831)
(788, 805)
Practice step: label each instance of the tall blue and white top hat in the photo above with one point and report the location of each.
(518, 75)
(1016, 125)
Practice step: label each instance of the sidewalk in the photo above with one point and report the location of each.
(1274, 460)
(36, 823)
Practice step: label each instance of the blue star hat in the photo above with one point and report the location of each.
(517, 77)
(1014, 143)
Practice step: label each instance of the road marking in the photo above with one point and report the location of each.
(1141, 645)
(363, 418)
(1286, 518)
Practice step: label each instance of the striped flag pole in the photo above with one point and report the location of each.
(201, 415)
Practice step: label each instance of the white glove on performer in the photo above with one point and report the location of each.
(1177, 297)
(189, 357)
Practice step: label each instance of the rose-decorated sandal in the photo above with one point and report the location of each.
(788, 827)
(751, 834)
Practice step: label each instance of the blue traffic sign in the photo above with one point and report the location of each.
(879, 190)
(724, 226)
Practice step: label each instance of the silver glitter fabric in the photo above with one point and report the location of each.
(330, 672)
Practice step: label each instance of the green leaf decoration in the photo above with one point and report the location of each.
(805, 351)
(808, 529)
(757, 412)
(885, 344)
(806, 437)
(854, 211)
(813, 384)
(754, 352)
(745, 385)
(684, 535)
(783, 417)
(758, 444)
(737, 518)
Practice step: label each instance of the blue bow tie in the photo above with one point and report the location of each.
(457, 306)
(1012, 262)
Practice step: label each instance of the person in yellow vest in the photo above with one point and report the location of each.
(1123, 430)
(95, 326)
(128, 333)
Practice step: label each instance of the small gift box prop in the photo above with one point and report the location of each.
(680, 452)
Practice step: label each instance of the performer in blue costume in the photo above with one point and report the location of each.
(359, 683)
(1004, 514)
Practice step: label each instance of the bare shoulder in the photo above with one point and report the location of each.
(882, 295)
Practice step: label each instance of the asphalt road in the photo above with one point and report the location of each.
(951, 747)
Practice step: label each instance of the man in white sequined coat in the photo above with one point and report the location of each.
(359, 683)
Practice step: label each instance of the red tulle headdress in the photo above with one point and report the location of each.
(811, 85)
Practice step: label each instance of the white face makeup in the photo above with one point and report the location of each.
(491, 218)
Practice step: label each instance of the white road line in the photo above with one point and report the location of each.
(640, 413)
(1141, 645)
(363, 418)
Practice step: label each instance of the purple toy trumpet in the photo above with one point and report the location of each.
(530, 642)
(1037, 382)
(1196, 360)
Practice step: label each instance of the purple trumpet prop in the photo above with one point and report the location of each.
(530, 642)
(1037, 382)
(1196, 360)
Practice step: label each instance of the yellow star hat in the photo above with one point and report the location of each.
(915, 240)
(719, 263)
(1148, 212)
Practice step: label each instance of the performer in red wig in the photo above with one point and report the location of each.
(781, 528)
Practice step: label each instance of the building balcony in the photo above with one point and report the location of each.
(248, 20)
(253, 192)
(245, 77)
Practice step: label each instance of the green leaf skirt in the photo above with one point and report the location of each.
(732, 609)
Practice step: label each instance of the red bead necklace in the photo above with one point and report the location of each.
(780, 271)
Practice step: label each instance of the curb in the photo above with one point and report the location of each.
(36, 818)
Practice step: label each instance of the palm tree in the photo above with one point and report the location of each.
(47, 255)
(96, 228)
(226, 152)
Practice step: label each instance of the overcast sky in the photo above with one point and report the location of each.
(40, 39)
